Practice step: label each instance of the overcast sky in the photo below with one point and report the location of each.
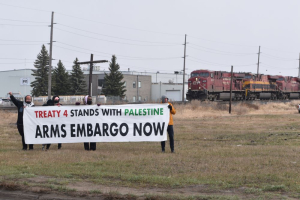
(149, 35)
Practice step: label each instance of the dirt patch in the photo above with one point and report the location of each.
(37, 189)
(83, 187)
(16, 195)
(185, 191)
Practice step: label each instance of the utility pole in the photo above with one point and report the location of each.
(91, 62)
(230, 89)
(50, 58)
(91, 75)
(258, 62)
(184, 69)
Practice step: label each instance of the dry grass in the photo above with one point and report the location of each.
(198, 109)
(255, 147)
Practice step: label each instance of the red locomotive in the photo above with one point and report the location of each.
(215, 85)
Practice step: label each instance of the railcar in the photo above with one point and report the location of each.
(215, 85)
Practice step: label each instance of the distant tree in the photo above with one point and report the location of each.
(60, 78)
(77, 82)
(113, 85)
(40, 84)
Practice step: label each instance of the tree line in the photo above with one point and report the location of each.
(63, 83)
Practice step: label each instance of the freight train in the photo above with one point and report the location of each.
(215, 85)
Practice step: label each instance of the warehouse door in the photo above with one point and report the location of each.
(174, 95)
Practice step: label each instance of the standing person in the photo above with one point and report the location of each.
(87, 100)
(21, 105)
(55, 100)
(49, 103)
(170, 126)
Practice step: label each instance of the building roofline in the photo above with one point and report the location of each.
(15, 70)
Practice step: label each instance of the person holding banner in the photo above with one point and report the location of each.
(55, 100)
(87, 100)
(170, 129)
(49, 103)
(21, 105)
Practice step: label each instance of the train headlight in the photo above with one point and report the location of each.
(199, 88)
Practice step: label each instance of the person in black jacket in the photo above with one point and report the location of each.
(87, 100)
(49, 103)
(55, 100)
(21, 105)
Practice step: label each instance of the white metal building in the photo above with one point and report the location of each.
(171, 90)
(16, 81)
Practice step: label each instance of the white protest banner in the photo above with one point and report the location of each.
(115, 123)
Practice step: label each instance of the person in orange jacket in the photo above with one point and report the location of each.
(170, 126)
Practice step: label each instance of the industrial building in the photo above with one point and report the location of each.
(140, 86)
(15, 81)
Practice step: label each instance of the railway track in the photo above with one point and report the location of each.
(238, 102)
(255, 101)
(14, 109)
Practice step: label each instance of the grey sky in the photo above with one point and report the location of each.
(148, 35)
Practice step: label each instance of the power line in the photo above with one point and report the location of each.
(23, 20)
(139, 58)
(142, 68)
(219, 51)
(94, 21)
(272, 67)
(119, 37)
(121, 26)
(72, 50)
(109, 40)
(205, 62)
(22, 25)
(120, 56)
(278, 58)
(14, 63)
(167, 58)
(84, 48)
(278, 50)
(16, 59)
(25, 8)
(221, 42)
(19, 44)
(65, 61)
(218, 64)
(126, 27)
(20, 40)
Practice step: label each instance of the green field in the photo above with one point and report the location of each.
(253, 153)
